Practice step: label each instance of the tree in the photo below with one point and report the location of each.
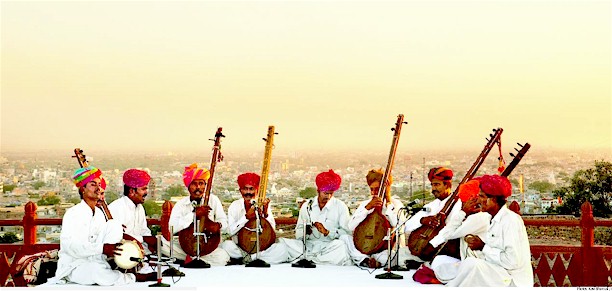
(49, 200)
(9, 238)
(173, 191)
(541, 186)
(110, 196)
(38, 184)
(151, 208)
(593, 185)
(308, 192)
(9, 188)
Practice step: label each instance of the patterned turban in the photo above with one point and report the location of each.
(376, 176)
(102, 183)
(83, 176)
(495, 185)
(328, 181)
(192, 172)
(440, 173)
(136, 178)
(469, 190)
(248, 179)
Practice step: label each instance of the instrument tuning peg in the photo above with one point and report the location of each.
(512, 155)
(520, 144)
(516, 149)
(276, 133)
(265, 139)
(392, 129)
(405, 122)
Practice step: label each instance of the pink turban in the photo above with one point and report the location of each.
(102, 183)
(136, 178)
(495, 185)
(328, 181)
(469, 190)
(83, 176)
(440, 173)
(248, 179)
(192, 172)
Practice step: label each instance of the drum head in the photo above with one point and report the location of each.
(129, 255)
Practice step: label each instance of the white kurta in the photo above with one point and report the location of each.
(82, 238)
(275, 254)
(391, 213)
(445, 267)
(182, 216)
(319, 248)
(133, 217)
(507, 256)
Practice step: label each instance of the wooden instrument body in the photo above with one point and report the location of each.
(189, 242)
(369, 235)
(247, 238)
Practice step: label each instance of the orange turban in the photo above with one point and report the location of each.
(192, 172)
(376, 176)
(328, 181)
(248, 179)
(495, 185)
(469, 190)
(440, 173)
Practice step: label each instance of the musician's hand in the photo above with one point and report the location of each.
(202, 211)
(471, 206)
(375, 202)
(432, 221)
(321, 228)
(308, 229)
(474, 242)
(250, 214)
(264, 209)
(111, 250)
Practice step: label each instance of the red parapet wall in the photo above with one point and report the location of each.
(554, 266)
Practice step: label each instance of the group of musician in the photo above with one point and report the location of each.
(493, 244)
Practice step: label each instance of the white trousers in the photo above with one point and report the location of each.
(320, 252)
(358, 256)
(275, 254)
(218, 257)
(473, 272)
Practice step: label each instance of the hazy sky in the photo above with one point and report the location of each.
(162, 76)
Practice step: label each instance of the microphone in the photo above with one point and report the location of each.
(310, 204)
(413, 202)
(253, 201)
(134, 259)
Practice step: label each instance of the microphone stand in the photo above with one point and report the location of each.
(258, 263)
(388, 274)
(172, 271)
(397, 267)
(159, 263)
(197, 263)
(304, 263)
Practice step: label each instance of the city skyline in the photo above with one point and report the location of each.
(162, 76)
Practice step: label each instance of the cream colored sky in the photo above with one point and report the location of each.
(162, 76)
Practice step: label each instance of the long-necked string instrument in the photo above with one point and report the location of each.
(418, 241)
(203, 241)
(132, 251)
(506, 172)
(247, 235)
(369, 235)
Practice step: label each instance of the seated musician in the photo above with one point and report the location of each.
(182, 215)
(440, 179)
(129, 210)
(327, 219)
(504, 254)
(239, 213)
(87, 239)
(390, 209)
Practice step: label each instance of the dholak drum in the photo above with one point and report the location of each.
(130, 256)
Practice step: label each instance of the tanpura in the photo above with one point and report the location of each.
(206, 238)
(369, 235)
(247, 236)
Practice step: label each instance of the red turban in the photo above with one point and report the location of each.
(83, 176)
(136, 178)
(440, 173)
(328, 181)
(495, 185)
(248, 179)
(102, 183)
(468, 190)
(192, 172)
